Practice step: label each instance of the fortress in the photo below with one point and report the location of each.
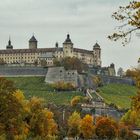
(34, 55)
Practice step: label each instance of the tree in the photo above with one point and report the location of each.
(11, 110)
(129, 16)
(132, 116)
(43, 63)
(106, 128)
(87, 127)
(75, 100)
(97, 81)
(41, 120)
(74, 124)
(2, 61)
(120, 72)
(124, 132)
(71, 63)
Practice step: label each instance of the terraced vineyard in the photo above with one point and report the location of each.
(118, 94)
(35, 86)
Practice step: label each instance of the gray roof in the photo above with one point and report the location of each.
(39, 50)
(47, 55)
(33, 39)
(68, 40)
(96, 46)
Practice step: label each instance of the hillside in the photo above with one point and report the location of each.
(35, 86)
(118, 94)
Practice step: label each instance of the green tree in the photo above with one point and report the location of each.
(129, 16)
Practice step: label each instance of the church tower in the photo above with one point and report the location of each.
(68, 47)
(33, 43)
(9, 46)
(97, 55)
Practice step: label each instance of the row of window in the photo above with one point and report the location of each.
(19, 54)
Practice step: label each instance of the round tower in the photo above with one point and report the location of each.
(33, 43)
(68, 47)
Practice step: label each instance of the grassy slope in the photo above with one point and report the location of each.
(35, 86)
(118, 94)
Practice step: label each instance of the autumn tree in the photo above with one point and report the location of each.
(75, 100)
(74, 125)
(129, 17)
(11, 110)
(2, 61)
(41, 120)
(97, 81)
(106, 128)
(71, 63)
(132, 117)
(86, 127)
(125, 132)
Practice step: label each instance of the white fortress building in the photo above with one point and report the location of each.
(34, 54)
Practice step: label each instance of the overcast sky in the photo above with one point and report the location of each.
(87, 21)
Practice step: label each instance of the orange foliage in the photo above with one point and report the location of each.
(106, 128)
(87, 127)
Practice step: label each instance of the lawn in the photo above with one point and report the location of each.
(35, 86)
(118, 94)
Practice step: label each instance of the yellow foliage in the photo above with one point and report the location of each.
(74, 124)
(86, 127)
(76, 100)
(19, 95)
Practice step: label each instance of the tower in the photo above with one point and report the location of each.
(97, 55)
(33, 43)
(9, 46)
(56, 45)
(68, 47)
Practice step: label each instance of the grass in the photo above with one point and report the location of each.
(35, 86)
(118, 94)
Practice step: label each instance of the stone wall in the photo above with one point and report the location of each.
(56, 74)
(117, 80)
(9, 71)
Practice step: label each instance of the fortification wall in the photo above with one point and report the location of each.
(117, 80)
(9, 71)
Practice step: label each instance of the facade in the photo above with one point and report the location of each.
(34, 54)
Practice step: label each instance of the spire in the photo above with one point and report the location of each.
(9, 46)
(68, 40)
(9, 42)
(56, 45)
(96, 46)
(33, 39)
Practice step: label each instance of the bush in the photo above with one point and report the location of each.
(76, 100)
(63, 86)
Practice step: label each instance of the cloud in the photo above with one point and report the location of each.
(50, 20)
